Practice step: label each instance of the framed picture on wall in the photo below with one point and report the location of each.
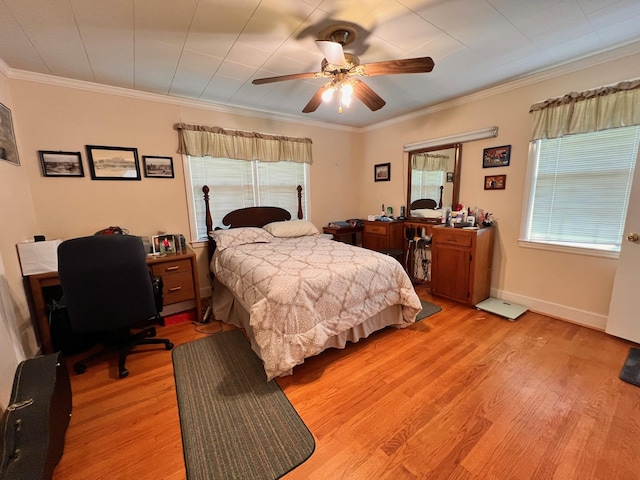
(61, 164)
(495, 182)
(157, 167)
(113, 163)
(8, 147)
(382, 172)
(496, 156)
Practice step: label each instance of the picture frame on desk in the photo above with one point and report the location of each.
(113, 163)
(163, 244)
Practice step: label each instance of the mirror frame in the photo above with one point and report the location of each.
(456, 175)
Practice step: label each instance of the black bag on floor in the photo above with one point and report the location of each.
(33, 427)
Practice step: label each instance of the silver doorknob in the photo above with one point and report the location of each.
(633, 237)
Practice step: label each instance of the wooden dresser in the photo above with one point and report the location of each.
(383, 235)
(461, 263)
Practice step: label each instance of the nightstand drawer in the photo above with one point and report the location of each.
(177, 287)
(167, 268)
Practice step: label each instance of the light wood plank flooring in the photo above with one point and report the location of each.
(462, 394)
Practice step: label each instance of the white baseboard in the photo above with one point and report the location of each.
(561, 312)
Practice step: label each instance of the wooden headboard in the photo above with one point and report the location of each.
(247, 217)
(427, 202)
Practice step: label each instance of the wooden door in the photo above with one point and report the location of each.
(451, 269)
(623, 320)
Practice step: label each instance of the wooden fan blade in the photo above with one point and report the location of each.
(332, 51)
(315, 101)
(282, 78)
(393, 67)
(367, 96)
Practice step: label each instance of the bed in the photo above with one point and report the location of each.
(297, 293)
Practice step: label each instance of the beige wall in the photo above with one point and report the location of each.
(17, 218)
(62, 118)
(569, 286)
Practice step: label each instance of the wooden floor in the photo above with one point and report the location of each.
(462, 394)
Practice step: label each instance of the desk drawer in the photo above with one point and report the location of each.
(452, 238)
(178, 287)
(165, 268)
(375, 229)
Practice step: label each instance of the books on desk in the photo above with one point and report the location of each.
(339, 224)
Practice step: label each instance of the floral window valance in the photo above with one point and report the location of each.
(201, 141)
(432, 162)
(589, 111)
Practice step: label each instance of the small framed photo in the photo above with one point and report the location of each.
(157, 167)
(113, 163)
(61, 164)
(382, 172)
(496, 156)
(449, 177)
(163, 244)
(495, 182)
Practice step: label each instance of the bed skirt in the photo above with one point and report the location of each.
(228, 309)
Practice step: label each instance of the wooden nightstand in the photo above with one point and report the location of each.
(383, 235)
(179, 274)
(339, 232)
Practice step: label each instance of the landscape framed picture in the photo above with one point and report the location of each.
(496, 156)
(61, 164)
(158, 167)
(113, 163)
(382, 172)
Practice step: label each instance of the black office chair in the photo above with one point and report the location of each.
(108, 289)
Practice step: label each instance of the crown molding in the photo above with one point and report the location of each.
(166, 99)
(574, 65)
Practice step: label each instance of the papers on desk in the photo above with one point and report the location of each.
(38, 257)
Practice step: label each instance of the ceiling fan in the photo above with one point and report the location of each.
(342, 70)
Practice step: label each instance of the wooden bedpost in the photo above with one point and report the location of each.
(299, 202)
(208, 220)
(440, 202)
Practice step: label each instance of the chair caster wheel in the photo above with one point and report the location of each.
(123, 373)
(79, 368)
(168, 346)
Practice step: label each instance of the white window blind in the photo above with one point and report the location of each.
(237, 184)
(426, 184)
(580, 189)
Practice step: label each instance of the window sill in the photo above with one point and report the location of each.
(550, 247)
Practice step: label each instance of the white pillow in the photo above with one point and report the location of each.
(294, 228)
(427, 213)
(240, 236)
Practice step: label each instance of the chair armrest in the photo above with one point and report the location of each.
(158, 293)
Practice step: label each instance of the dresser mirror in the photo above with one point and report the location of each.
(434, 181)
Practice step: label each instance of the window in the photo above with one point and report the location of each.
(237, 184)
(426, 184)
(579, 190)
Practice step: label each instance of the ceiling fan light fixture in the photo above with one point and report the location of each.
(346, 92)
(327, 95)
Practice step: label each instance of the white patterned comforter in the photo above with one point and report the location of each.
(301, 291)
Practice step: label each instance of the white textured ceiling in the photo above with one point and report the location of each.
(211, 50)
